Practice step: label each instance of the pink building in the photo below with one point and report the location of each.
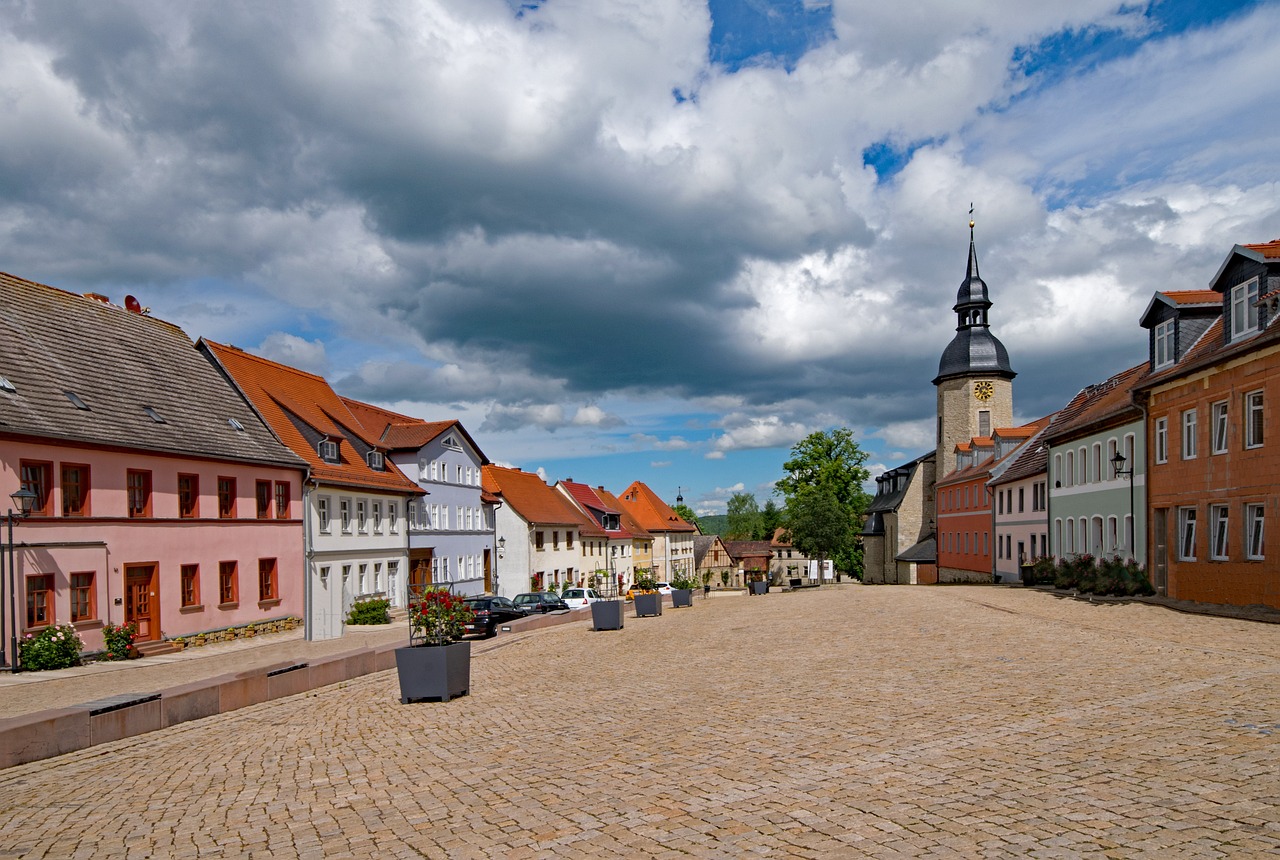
(161, 498)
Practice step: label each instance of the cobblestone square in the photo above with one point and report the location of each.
(839, 722)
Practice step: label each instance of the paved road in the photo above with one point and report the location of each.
(858, 721)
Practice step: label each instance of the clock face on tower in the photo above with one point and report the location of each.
(984, 391)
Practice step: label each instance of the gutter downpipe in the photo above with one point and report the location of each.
(308, 552)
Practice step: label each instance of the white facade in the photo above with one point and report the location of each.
(357, 547)
(672, 555)
(550, 553)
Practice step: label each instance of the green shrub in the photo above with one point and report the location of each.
(118, 639)
(375, 610)
(54, 647)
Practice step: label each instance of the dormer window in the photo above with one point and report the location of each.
(1243, 309)
(451, 442)
(235, 425)
(1164, 353)
(154, 415)
(375, 460)
(328, 450)
(7, 387)
(76, 401)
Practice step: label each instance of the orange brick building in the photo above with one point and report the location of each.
(1212, 433)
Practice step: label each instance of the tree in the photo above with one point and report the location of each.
(825, 498)
(744, 517)
(770, 520)
(686, 513)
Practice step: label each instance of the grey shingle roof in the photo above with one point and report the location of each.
(117, 362)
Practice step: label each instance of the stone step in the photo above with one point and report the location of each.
(151, 649)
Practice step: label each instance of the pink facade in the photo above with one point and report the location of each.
(86, 561)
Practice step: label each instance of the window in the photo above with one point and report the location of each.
(282, 500)
(1071, 469)
(363, 580)
(188, 496)
(1097, 462)
(226, 498)
(393, 516)
(38, 478)
(1218, 415)
(377, 576)
(1244, 316)
(322, 508)
(139, 493)
(75, 490)
(1000, 501)
(328, 450)
(267, 579)
(344, 513)
(1253, 419)
(1083, 462)
(1218, 524)
(83, 597)
(1162, 440)
(1022, 499)
(375, 460)
(39, 600)
(262, 496)
(434, 471)
(190, 585)
(228, 585)
(1254, 521)
(1164, 344)
(537, 540)
(1057, 468)
(377, 518)
(1187, 534)
(984, 422)
(362, 520)
(1189, 434)
(568, 540)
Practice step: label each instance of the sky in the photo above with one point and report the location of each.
(657, 240)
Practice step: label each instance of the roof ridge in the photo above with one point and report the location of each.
(241, 351)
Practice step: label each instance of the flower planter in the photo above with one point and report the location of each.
(606, 615)
(648, 605)
(681, 597)
(434, 671)
(759, 588)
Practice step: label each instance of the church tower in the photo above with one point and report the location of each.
(974, 381)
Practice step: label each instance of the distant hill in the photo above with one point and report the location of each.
(713, 524)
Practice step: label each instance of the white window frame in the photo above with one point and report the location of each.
(1219, 532)
(1219, 425)
(393, 517)
(1162, 439)
(362, 523)
(1164, 344)
(1187, 534)
(344, 509)
(322, 510)
(1254, 536)
(1241, 308)
(1189, 425)
(1254, 419)
(377, 519)
(328, 450)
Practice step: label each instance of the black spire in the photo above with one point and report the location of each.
(974, 350)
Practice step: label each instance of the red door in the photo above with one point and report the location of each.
(141, 602)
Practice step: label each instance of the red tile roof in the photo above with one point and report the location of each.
(530, 497)
(1107, 402)
(630, 523)
(1193, 297)
(1270, 250)
(403, 432)
(650, 511)
(293, 402)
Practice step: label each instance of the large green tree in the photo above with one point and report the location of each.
(825, 499)
(744, 517)
(770, 518)
(686, 513)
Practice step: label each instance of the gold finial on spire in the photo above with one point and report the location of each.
(971, 217)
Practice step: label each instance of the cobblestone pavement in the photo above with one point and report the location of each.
(842, 722)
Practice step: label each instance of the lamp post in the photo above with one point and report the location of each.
(1117, 463)
(25, 499)
(502, 544)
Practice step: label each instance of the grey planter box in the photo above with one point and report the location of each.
(681, 597)
(759, 588)
(606, 615)
(434, 671)
(648, 604)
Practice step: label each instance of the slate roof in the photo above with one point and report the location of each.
(302, 409)
(1031, 459)
(974, 349)
(889, 501)
(118, 361)
(923, 552)
(653, 514)
(531, 498)
(1103, 405)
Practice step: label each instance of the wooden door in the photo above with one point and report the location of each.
(142, 600)
(1160, 566)
(419, 572)
(488, 571)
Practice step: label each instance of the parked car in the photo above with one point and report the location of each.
(489, 613)
(635, 589)
(539, 601)
(580, 597)
(663, 587)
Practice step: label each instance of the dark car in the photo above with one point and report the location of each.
(539, 601)
(489, 613)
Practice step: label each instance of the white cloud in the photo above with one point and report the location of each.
(659, 464)
(308, 355)
(769, 431)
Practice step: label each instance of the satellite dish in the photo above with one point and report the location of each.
(132, 304)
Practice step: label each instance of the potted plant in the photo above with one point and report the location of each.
(435, 664)
(606, 614)
(682, 591)
(647, 599)
(759, 585)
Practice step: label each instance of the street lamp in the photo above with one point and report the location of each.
(502, 544)
(25, 499)
(1117, 463)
